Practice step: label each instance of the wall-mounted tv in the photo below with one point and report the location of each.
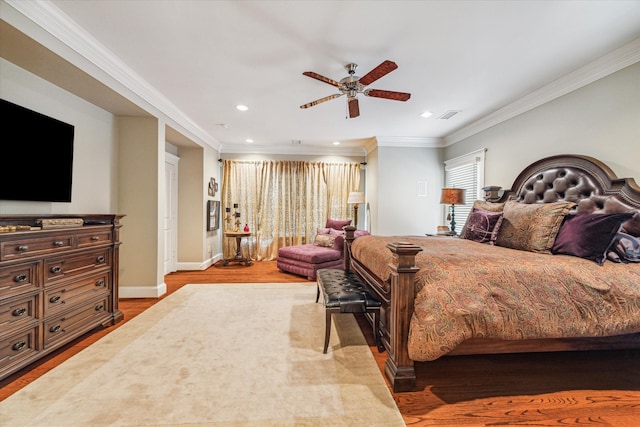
(37, 156)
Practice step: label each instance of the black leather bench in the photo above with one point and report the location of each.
(344, 292)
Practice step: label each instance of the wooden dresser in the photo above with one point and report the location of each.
(55, 284)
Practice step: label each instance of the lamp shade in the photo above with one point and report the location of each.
(356, 197)
(452, 196)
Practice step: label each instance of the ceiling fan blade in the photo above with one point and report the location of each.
(318, 101)
(321, 78)
(354, 108)
(380, 71)
(388, 94)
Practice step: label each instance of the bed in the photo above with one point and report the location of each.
(548, 265)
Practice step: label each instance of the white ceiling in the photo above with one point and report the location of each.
(477, 57)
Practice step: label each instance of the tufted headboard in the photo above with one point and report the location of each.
(580, 179)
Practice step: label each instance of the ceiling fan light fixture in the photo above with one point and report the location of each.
(352, 85)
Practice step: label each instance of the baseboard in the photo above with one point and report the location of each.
(194, 266)
(142, 291)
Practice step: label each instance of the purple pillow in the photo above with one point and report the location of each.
(337, 224)
(338, 243)
(588, 236)
(482, 226)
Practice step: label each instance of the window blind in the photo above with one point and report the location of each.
(466, 172)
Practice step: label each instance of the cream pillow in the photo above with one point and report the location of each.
(325, 240)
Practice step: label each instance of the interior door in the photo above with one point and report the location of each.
(171, 214)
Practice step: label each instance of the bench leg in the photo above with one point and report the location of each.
(376, 335)
(327, 331)
(317, 292)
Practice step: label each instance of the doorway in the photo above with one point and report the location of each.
(171, 213)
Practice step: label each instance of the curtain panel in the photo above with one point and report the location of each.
(284, 202)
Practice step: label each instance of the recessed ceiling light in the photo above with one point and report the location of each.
(426, 114)
(249, 140)
(242, 107)
(336, 142)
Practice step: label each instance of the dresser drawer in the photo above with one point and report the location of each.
(67, 325)
(18, 278)
(97, 237)
(65, 267)
(17, 348)
(24, 248)
(18, 312)
(58, 298)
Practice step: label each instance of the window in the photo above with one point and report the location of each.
(466, 172)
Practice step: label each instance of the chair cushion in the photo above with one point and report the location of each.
(310, 253)
(304, 268)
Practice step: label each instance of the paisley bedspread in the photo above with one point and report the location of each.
(468, 290)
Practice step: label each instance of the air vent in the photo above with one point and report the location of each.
(448, 114)
(296, 141)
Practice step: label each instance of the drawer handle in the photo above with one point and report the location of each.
(100, 307)
(55, 270)
(20, 278)
(100, 259)
(19, 346)
(95, 238)
(100, 283)
(58, 243)
(19, 311)
(23, 248)
(54, 329)
(54, 299)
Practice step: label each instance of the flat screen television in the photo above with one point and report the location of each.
(37, 156)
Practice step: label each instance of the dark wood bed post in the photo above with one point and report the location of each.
(349, 236)
(399, 367)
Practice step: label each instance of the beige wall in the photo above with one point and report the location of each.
(601, 120)
(400, 206)
(141, 197)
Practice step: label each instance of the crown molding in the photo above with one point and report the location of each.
(407, 141)
(293, 150)
(95, 59)
(608, 64)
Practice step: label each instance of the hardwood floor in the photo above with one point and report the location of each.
(542, 389)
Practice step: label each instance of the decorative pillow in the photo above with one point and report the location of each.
(588, 236)
(338, 243)
(482, 226)
(323, 230)
(624, 248)
(609, 205)
(325, 240)
(531, 227)
(488, 206)
(338, 235)
(485, 206)
(337, 224)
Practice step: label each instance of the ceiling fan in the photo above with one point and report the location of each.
(352, 85)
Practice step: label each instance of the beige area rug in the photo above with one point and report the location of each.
(209, 355)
